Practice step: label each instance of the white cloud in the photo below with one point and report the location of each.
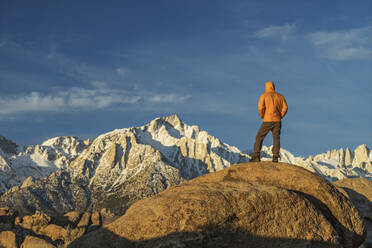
(353, 44)
(73, 99)
(352, 53)
(99, 97)
(168, 98)
(284, 32)
(347, 37)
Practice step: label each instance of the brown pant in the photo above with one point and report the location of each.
(275, 128)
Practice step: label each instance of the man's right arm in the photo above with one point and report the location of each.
(261, 106)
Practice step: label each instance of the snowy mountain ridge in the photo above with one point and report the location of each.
(121, 167)
(167, 145)
(165, 142)
(37, 161)
(333, 165)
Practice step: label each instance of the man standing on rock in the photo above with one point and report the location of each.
(272, 107)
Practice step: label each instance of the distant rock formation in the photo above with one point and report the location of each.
(361, 157)
(333, 165)
(247, 205)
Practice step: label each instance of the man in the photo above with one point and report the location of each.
(272, 107)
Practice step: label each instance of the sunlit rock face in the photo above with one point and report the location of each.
(247, 205)
(40, 230)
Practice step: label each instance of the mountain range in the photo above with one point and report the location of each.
(123, 166)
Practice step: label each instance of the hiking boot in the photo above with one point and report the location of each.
(275, 159)
(255, 159)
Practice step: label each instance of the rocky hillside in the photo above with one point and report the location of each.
(40, 230)
(247, 205)
(123, 166)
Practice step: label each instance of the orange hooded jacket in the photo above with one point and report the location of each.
(272, 106)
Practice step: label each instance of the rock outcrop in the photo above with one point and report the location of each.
(359, 191)
(247, 205)
(8, 239)
(41, 230)
(32, 242)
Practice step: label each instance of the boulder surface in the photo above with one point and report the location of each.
(32, 242)
(247, 205)
(359, 190)
(8, 239)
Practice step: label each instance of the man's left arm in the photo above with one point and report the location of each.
(284, 107)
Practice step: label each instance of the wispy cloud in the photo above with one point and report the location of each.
(347, 37)
(72, 99)
(95, 87)
(283, 32)
(353, 44)
(76, 99)
(168, 98)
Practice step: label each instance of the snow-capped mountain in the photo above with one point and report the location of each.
(333, 165)
(19, 162)
(125, 165)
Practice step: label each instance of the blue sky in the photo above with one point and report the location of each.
(83, 68)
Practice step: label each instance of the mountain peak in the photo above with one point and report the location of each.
(172, 122)
(68, 145)
(60, 140)
(362, 147)
(173, 119)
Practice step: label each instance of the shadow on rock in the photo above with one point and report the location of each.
(211, 238)
(363, 204)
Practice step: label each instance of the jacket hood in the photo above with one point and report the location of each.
(269, 87)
